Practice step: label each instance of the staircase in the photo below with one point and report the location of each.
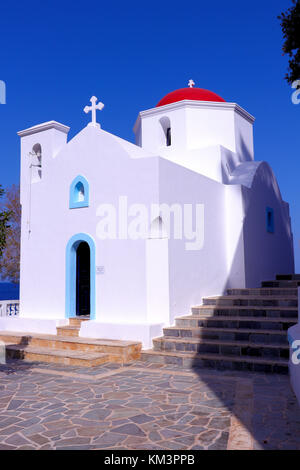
(68, 348)
(243, 330)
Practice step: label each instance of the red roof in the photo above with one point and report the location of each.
(198, 94)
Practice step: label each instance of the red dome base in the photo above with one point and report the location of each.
(197, 94)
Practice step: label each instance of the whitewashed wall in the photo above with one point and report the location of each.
(266, 254)
(146, 283)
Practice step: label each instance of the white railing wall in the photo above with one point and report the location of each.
(9, 308)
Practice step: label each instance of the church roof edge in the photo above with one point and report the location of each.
(195, 104)
(44, 127)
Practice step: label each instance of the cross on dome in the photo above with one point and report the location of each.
(191, 83)
(93, 109)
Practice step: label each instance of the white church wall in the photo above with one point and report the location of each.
(244, 146)
(206, 161)
(31, 325)
(157, 280)
(200, 272)
(234, 236)
(215, 162)
(267, 253)
(210, 125)
(110, 173)
(229, 163)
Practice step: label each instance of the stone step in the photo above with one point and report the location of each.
(216, 361)
(68, 330)
(223, 347)
(243, 330)
(76, 321)
(257, 311)
(291, 301)
(233, 334)
(253, 323)
(120, 351)
(281, 284)
(74, 358)
(262, 291)
(288, 277)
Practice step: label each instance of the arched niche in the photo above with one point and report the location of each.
(79, 193)
(165, 134)
(36, 163)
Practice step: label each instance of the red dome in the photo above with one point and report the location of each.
(198, 94)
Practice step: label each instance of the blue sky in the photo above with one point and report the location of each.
(55, 55)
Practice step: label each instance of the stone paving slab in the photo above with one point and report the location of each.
(144, 406)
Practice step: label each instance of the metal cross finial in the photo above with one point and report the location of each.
(93, 108)
(191, 83)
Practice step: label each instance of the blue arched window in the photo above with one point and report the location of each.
(79, 193)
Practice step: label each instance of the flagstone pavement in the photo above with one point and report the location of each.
(144, 406)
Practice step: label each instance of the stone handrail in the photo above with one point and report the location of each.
(9, 308)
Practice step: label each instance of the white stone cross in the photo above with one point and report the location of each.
(93, 108)
(191, 83)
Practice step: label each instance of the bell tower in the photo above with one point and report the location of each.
(191, 122)
(39, 146)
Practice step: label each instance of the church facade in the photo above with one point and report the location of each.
(132, 236)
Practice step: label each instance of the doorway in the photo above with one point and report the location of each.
(80, 276)
(83, 281)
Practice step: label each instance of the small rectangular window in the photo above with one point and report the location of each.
(168, 137)
(270, 220)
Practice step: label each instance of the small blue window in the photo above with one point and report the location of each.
(79, 193)
(270, 220)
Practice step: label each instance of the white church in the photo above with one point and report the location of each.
(129, 236)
